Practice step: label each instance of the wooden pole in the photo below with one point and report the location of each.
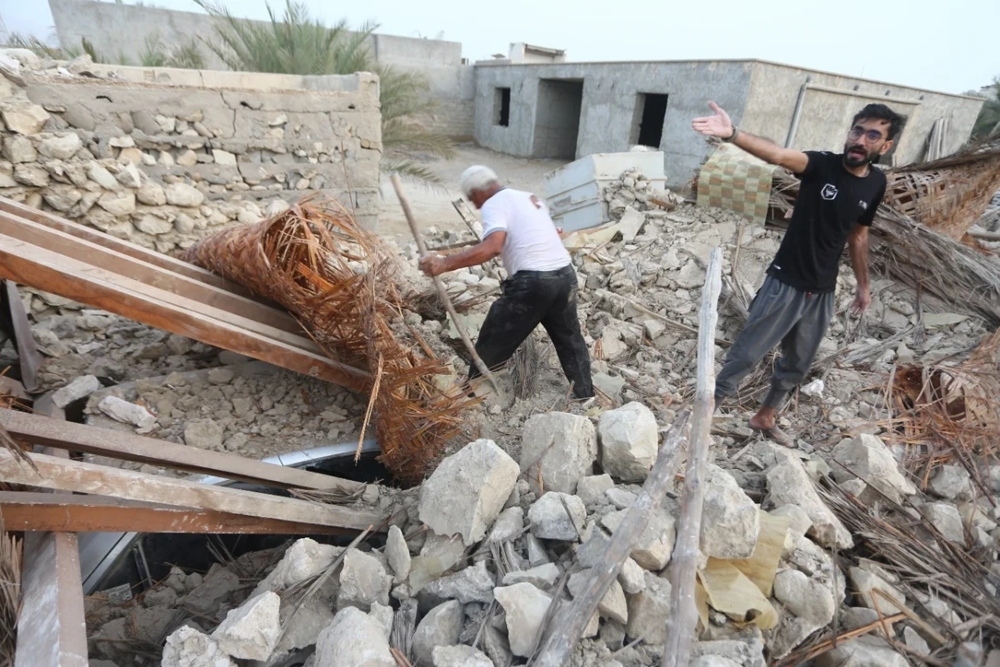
(443, 293)
(683, 619)
(562, 638)
(984, 235)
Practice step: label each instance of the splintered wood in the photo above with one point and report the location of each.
(340, 281)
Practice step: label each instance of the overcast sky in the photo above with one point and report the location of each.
(950, 47)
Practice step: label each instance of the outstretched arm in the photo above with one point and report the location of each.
(857, 248)
(719, 125)
(483, 251)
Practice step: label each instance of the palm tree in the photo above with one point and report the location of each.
(988, 122)
(296, 43)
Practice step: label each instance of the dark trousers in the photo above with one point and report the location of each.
(779, 314)
(530, 298)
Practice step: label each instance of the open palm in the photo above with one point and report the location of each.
(716, 125)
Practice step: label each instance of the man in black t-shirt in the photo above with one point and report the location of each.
(836, 205)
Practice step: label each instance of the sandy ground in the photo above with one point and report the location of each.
(432, 204)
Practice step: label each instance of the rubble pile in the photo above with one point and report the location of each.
(479, 553)
(633, 189)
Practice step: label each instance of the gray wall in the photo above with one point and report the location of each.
(826, 115)
(610, 95)
(116, 29)
(557, 123)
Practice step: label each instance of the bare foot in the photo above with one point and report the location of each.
(765, 421)
(759, 423)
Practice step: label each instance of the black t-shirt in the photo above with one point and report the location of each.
(831, 201)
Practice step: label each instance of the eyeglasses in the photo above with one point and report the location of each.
(871, 136)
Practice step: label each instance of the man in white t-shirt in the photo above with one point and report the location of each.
(541, 284)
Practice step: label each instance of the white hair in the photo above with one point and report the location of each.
(477, 177)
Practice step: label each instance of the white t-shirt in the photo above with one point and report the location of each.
(532, 242)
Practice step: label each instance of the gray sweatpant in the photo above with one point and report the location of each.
(779, 313)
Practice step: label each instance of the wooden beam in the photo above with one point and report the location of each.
(71, 513)
(51, 631)
(59, 475)
(138, 252)
(85, 250)
(52, 272)
(682, 622)
(29, 358)
(38, 430)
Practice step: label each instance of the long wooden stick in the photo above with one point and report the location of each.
(984, 235)
(683, 618)
(562, 638)
(666, 320)
(443, 293)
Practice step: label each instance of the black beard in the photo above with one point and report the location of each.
(855, 161)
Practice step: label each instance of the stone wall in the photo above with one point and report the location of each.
(166, 162)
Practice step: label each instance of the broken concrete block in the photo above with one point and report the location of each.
(440, 627)
(127, 413)
(186, 647)
(557, 450)
(630, 224)
(305, 558)
(216, 586)
(251, 631)
(466, 492)
(865, 583)
(866, 457)
(525, 606)
(653, 548)
(397, 554)
(946, 518)
(353, 639)
(648, 610)
(730, 520)
(79, 388)
(790, 484)
(363, 581)
(459, 656)
(629, 442)
(557, 516)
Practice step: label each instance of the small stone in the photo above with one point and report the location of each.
(947, 520)
(224, 158)
(183, 195)
(150, 224)
(118, 203)
(222, 375)
(730, 521)
(915, 642)
(19, 149)
(103, 177)
(632, 577)
(122, 142)
(79, 388)
(353, 639)
(24, 118)
(459, 656)
(648, 609)
(466, 492)
(440, 627)
(798, 526)
(557, 450)
(183, 224)
(867, 651)
(865, 582)
(866, 457)
(525, 607)
(397, 553)
(61, 146)
(612, 606)
(473, 584)
(656, 543)
(127, 413)
(805, 598)
(304, 559)
(540, 577)
(251, 631)
(363, 581)
(186, 647)
(31, 175)
(591, 489)
(151, 194)
(508, 526)
(629, 442)
(204, 434)
(186, 159)
(620, 498)
(790, 484)
(951, 483)
(557, 516)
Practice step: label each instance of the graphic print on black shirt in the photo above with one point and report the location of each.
(831, 201)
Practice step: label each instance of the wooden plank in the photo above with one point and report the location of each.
(51, 631)
(138, 252)
(29, 357)
(89, 252)
(55, 273)
(130, 447)
(60, 475)
(72, 513)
